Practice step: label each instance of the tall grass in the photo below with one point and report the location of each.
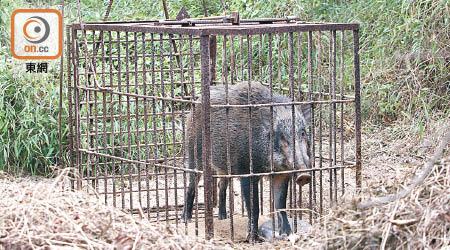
(405, 62)
(405, 54)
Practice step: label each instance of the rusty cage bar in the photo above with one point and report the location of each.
(132, 86)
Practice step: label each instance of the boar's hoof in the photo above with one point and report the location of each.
(303, 179)
(222, 216)
(255, 238)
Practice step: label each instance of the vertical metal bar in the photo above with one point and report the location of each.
(172, 95)
(113, 142)
(272, 197)
(233, 62)
(260, 58)
(76, 61)
(342, 110)
(293, 198)
(321, 97)
(138, 137)
(310, 83)
(206, 136)
(183, 125)
(241, 45)
(119, 83)
(155, 122)
(299, 75)
(96, 142)
(357, 108)
(213, 60)
(213, 57)
(330, 115)
(299, 67)
(227, 135)
(333, 87)
(129, 141)
(261, 181)
(146, 132)
(163, 117)
(105, 136)
(70, 56)
(280, 76)
(194, 122)
(250, 139)
(61, 77)
(78, 118)
(88, 110)
(242, 57)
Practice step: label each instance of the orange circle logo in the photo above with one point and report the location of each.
(36, 29)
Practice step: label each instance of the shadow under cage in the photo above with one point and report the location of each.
(141, 94)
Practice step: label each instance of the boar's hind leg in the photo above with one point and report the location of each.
(245, 189)
(281, 184)
(189, 198)
(223, 184)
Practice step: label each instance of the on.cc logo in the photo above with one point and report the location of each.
(36, 34)
(37, 24)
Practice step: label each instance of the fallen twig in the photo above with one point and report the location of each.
(418, 181)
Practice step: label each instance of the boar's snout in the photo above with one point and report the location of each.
(303, 179)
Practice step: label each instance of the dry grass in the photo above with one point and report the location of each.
(43, 215)
(420, 220)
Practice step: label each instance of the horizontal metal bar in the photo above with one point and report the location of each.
(125, 133)
(275, 28)
(93, 133)
(100, 102)
(115, 164)
(139, 96)
(143, 27)
(345, 162)
(186, 70)
(163, 208)
(219, 176)
(139, 41)
(127, 191)
(278, 104)
(101, 117)
(150, 163)
(281, 172)
(314, 92)
(223, 29)
(106, 56)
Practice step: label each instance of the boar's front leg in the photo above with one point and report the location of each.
(280, 186)
(223, 184)
(252, 235)
(190, 196)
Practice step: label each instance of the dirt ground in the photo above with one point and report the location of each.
(391, 157)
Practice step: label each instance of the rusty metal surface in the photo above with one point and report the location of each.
(131, 100)
(223, 29)
(206, 135)
(357, 107)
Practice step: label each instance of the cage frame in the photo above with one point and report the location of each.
(208, 44)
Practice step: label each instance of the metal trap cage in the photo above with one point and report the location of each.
(133, 86)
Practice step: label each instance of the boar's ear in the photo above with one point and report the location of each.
(306, 110)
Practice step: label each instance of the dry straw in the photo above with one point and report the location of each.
(43, 215)
(416, 218)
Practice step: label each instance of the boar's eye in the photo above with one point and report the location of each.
(303, 133)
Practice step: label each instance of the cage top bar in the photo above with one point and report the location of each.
(216, 29)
